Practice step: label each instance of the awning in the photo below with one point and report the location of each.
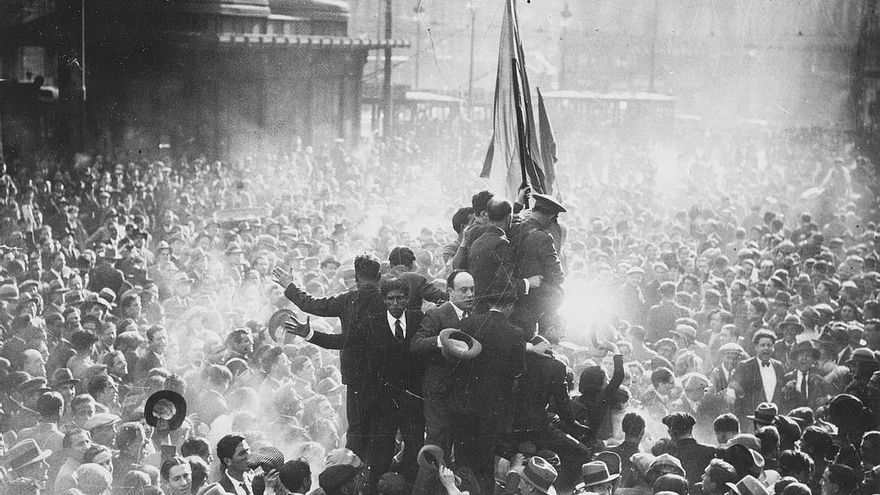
(283, 40)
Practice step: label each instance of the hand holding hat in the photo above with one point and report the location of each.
(294, 326)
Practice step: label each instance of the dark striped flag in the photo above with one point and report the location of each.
(514, 157)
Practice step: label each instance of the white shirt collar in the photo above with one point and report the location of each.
(392, 319)
(458, 311)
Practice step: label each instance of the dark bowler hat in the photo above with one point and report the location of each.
(547, 203)
(459, 345)
(680, 421)
(765, 413)
(171, 417)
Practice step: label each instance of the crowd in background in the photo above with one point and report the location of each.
(685, 264)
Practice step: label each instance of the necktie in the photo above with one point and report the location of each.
(765, 364)
(245, 487)
(398, 330)
(464, 314)
(804, 384)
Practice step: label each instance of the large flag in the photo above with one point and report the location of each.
(548, 146)
(514, 157)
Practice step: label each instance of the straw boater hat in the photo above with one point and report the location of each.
(748, 486)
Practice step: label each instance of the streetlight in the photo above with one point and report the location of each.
(419, 17)
(565, 21)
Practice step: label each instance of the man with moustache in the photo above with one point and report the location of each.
(758, 379)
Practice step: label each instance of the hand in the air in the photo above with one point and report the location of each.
(282, 277)
(294, 326)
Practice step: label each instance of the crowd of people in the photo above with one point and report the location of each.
(695, 317)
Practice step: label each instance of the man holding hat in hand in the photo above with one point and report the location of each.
(481, 394)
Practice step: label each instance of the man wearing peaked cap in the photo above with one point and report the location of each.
(694, 456)
(536, 252)
(789, 328)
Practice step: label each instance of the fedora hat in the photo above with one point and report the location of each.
(595, 473)
(611, 460)
(748, 486)
(540, 474)
(63, 376)
(459, 345)
(805, 346)
(165, 398)
(792, 321)
(275, 325)
(825, 340)
(431, 457)
(765, 413)
(25, 453)
(863, 355)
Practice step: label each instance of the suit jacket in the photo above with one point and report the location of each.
(349, 307)
(750, 388)
(420, 288)
(144, 365)
(387, 364)
(535, 254)
(818, 389)
(484, 385)
(661, 319)
(424, 343)
(492, 263)
(694, 458)
(226, 484)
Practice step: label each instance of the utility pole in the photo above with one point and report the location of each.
(473, 6)
(386, 85)
(651, 87)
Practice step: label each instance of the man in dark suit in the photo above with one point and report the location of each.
(481, 396)
(758, 379)
(693, 455)
(426, 343)
(391, 380)
(402, 261)
(157, 341)
(491, 257)
(535, 254)
(235, 474)
(350, 307)
(803, 385)
(662, 317)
